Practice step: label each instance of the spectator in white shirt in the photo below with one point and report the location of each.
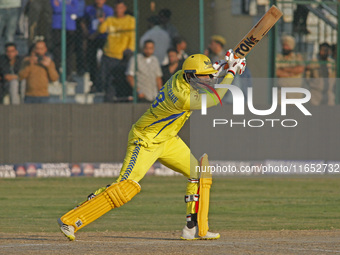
(149, 74)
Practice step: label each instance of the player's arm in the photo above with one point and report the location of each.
(282, 73)
(130, 72)
(103, 26)
(159, 83)
(132, 36)
(235, 65)
(131, 80)
(289, 71)
(130, 76)
(298, 69)
(159, 75)
(195, 100)
(26, 67)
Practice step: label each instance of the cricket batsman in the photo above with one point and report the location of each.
(154, 137)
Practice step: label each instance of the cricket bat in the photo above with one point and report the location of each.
(256, 34)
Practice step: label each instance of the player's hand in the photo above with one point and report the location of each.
(33, 59)
(236, 65)
(46, 61)
(219, 66)
(10, 77)
(141, 95)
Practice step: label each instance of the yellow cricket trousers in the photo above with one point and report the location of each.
(173, 153)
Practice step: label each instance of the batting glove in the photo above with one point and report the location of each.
(236, 65)
(219, 66)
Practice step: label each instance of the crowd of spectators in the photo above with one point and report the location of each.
(149, 73)
(317, 75)
(101, 40)
(10, 66)
(38, 70)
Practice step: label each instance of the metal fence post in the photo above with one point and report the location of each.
(135, 13)
(63, 49)
(201, 18)
(337, 84)
(271, 57)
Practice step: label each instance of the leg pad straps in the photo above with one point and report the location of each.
(114, 196)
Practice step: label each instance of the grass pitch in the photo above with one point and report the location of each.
(237, 203)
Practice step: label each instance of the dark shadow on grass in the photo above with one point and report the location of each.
(24, 238)
(142, 238)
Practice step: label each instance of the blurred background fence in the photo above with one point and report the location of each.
(86, 40)
(90, 55)
(82, 52)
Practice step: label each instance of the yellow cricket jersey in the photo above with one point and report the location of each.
(121, 35)
(172, 107)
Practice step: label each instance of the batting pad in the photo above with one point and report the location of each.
(203, 207)
(114, 196)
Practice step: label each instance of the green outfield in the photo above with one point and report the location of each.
(237, 203)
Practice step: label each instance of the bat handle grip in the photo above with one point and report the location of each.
(225, 65)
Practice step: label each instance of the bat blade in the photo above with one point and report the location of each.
(256, 34)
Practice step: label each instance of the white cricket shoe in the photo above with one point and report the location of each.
(192, 234)
(67, 230)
